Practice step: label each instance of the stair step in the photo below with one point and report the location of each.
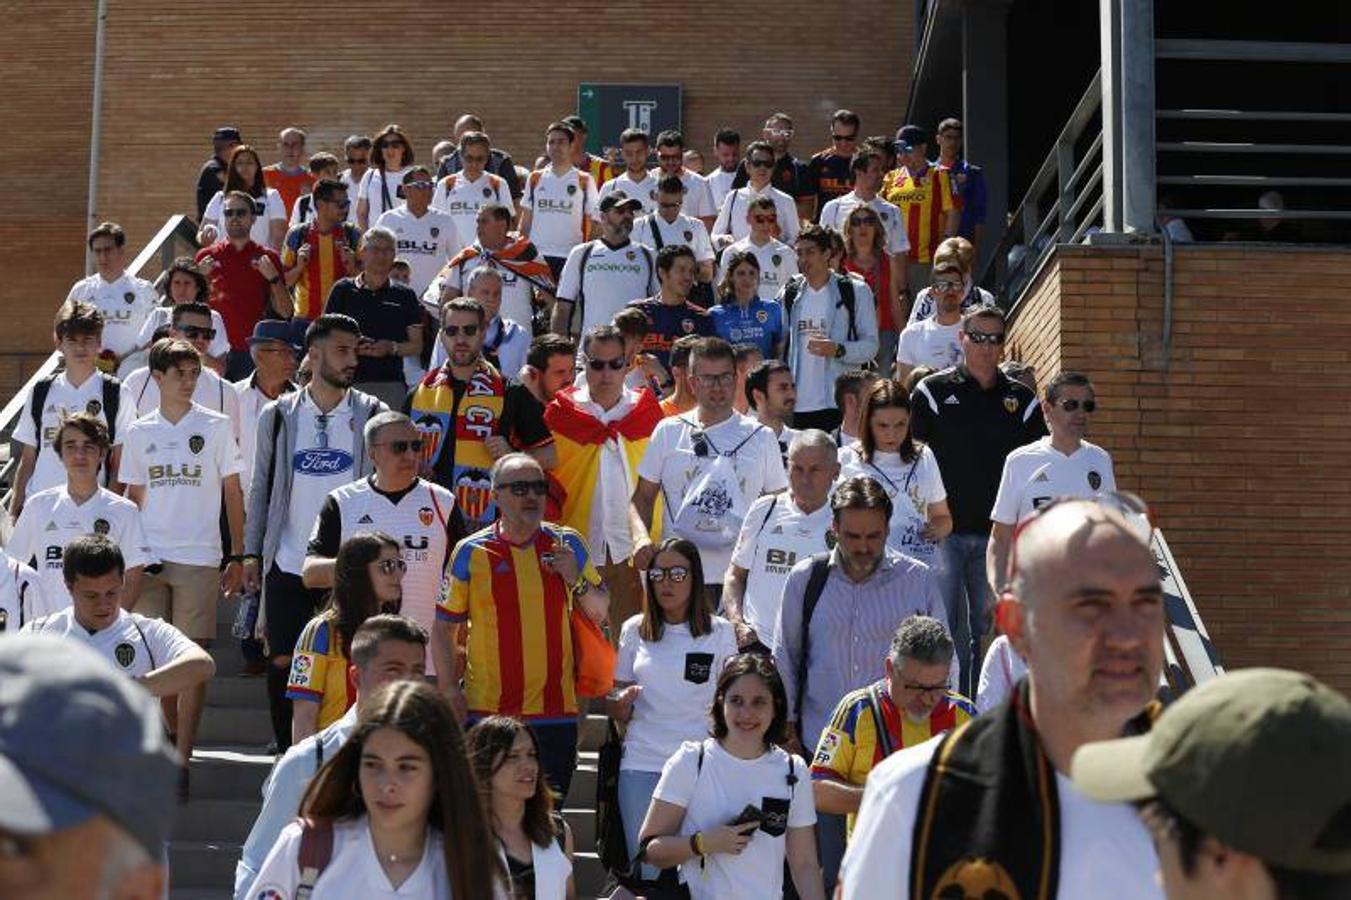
(589, 876)
(229, 725)
(592, 732)
(203, 864)
(200, 894)
(206, 819)
(238, 692)
(582, 821)
(582, 793)
(231, 773)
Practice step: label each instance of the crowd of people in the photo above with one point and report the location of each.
(876, 610)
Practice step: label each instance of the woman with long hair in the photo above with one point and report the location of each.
(669, 659)
(367, 580)
(906, 469)
(391, 158)
(183, 282)
(400, 807)
(865, 255)
(740, 316)
(731, 808)
(245, 173)
(536, 843)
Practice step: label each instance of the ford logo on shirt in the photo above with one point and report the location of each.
(322, 462)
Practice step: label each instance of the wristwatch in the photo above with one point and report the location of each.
(839, 350)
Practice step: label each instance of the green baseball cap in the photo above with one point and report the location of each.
(1258, 758)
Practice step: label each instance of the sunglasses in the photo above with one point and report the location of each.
(760, 163)
(1072, 405)
(358, 160)
(343, 205)
(480, 160)
(844, 138)
(419, 185)
(401, 447)
(944, 286)
(860, 221)
(390, 566)
(677, 574)
(235, 212)
(600, 365)
(764, 220)
(520, 488)
(985, 337)
(194, 332)
(453, 330)
(387, 144)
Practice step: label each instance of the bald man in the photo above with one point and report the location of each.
(994, 805)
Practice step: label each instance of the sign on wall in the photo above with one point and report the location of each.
(607, 109)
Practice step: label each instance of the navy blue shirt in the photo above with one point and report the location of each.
(666, 323)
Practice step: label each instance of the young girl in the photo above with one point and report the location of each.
(730, 809)
(536, 843)
(245, 173)
(740, 316)
(401, 808)
(906, 470)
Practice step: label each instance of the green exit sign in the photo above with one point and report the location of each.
(608, 109)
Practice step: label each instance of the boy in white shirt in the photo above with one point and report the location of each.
(124, 299)
(559, 201)
(635, 181)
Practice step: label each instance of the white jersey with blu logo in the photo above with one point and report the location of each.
(134, 644)
(559, 207)
(462, 199)
(124, 303)
(427, 242)
(775, 536)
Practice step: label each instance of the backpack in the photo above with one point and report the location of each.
(587, 248)
(316, 851)
(816, 583)
(793, 289)
(112, 396)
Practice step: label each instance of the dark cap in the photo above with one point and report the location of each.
(288, 332)
(909, 136)
(1258, 758)
(226, 133)
(78, 739)
(621, 200)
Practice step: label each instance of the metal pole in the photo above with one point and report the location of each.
(96, 129)
(1127, 41)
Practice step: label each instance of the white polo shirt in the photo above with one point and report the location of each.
(775, 536)
(20, 595)
(63, 400)
(124, 303)
(614, 277)
(732, 216)
(427, 242)
(778, 263)
(1037, 473)
(135, 644)
(684, 231)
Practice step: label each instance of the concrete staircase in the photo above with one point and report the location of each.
(231, 761)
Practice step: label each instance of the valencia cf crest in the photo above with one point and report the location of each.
(487, 192)
(102, 526)
(425, 516)
(1094, 479)
(776, 259)
(129, 297)
(630, 256)
(1011, 404)
(93, 407)
(652, 195)
(689, 236)
(572, 189)
(687, 326)
(196, 443)
(436, 232)
(473, 492)
(125, 654)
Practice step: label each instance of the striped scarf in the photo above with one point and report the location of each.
(518, 256)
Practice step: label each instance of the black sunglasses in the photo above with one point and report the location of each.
(403, 446)
(193, 332)
(843, 138)
(453, 330)
(235, 212)
(520, 488)
(761, 163)
(677, 574)
(1072, 405)
(358, 161)
(985, 337)
(343, 205)
(600, 365)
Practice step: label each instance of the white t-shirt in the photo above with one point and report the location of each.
(684, 231)
(353, 871)
(182, 467)
(251, 403)
(323, 461)
(63, 399)
(125, 303)
(374, 186)
(51, 519)
(719, 184)
(427, 243)
(559, 205)
(927, 343)
(608, 527)
(670, 461)
(1037, 473)
(815, 388)
(462, 199)
(678, 675)
(775, 537)
(698, 198)
(267, 209)
(778, 263)
(1105, 852)
(614, 276)
(518, 295)
(21, 597)
(163, 315)
(732, 215)
(836, 213)
(353, 190)
(136, 645)
(998, 674)
(912, 486)
(140, 397)
(715, 794)
(644, 190)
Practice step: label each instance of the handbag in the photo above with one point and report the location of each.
(611, 845)
(593, 656)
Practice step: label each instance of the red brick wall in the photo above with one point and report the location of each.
(1237, 436)
(168, 64)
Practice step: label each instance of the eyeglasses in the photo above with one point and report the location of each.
(538, 487)
(985, 337)
(234, 212)
(195, 332)
(844, 138)
(358, 160)
(419, 185)
(779, 132)
(764, 220)
(387, 144)
(390, 566)
(944, 286)
(1072, 405)
(860, 221)
(453, 330)
(600, 365)
(760, 163)
(677, 574)
(724, 379)
(402, 447)
(927, 688)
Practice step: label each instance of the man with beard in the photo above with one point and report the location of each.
(469, 414)
(991, 806)
(307, 443)
(601, 276)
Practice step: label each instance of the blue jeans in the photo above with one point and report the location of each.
(635, 794)
(967, 599)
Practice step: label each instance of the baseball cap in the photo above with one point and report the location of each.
(621, 200)
(910, 135)
(282, 332)
(1259, 758)
(78, 738)
(225, 133)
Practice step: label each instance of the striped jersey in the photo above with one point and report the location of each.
(325, 264)
(319, 669)
(925, 198)
(520, 639)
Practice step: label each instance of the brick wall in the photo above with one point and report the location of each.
(1237, 437)
(167, 65)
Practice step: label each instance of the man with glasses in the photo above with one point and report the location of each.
(357, 155)
(427, 238)
(506, 345)
(523, 268)
(467, 186)
(290, 176)
(935, 341)
(790, 174)
(420, 515)
(498, 162)
(973, 416)
(601, 276)
(732, 225)
(140, 396)
(601, 429)
(308, 442)
(514, 584)
(967, 180)
(829, 169)
(668, 226)
(670, 314)
(698, 201)
(708, 465)
(923, 192)
(469, 414)
(635, 181)
(1062, 464)
(125, 300)
(778, 261)
(317, 253)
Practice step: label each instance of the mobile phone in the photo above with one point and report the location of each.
(751, 813)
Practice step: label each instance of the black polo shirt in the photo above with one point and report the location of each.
(384, 314)
(791, 175)
(971, 430)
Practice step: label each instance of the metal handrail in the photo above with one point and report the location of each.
(1190, 655)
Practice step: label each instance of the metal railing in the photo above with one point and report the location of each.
(1190, 656)
(177, 235)
(1063, 201)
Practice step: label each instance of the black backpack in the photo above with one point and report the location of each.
(112, 396)
(793, 289)
(581, 276)
(816, 583)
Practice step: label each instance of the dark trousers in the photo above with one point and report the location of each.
(824, 419)
(558, 755)
(289, 606)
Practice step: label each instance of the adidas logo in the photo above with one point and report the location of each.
(152, 449)
(951, 400)
(777, 529)
(1041, 478)
(365, 519)
(51, 526)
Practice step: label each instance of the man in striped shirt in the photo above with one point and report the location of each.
(923, 191)
(321, 251)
